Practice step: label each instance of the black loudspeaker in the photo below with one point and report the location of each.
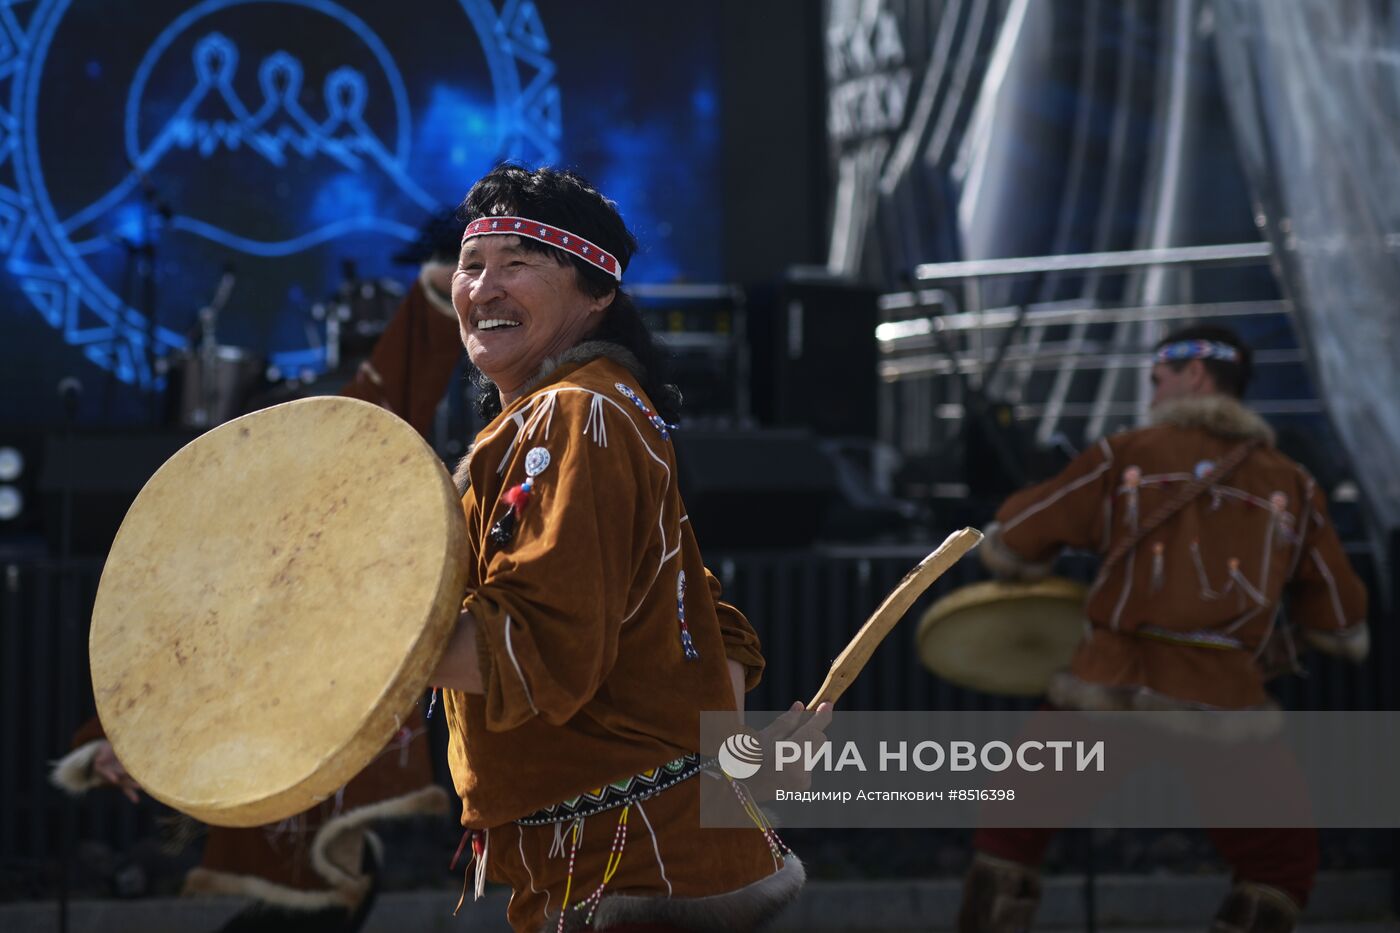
(103, 472)
(21, 459)
(756, 489)
(817, 334)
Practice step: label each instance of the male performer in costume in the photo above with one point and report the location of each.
(591, 637)
(1186, 617)
(413, 360)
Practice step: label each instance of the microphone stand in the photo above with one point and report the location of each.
(69, 390)
(208, 350)
(157, 212)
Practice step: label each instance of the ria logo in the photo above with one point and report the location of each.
(741, 756)
(284, 136)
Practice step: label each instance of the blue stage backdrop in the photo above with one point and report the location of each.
(286, 137)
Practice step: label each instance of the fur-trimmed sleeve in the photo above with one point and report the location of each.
(586, 549)
(1067, 511)
(1325, 596)
(73, 772)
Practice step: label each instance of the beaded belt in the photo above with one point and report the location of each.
(626, 791)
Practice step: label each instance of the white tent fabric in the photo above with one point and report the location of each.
(1314, 94)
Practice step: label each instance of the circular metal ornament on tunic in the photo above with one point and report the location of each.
(536, 461)
(272, 608)
(1002, 637)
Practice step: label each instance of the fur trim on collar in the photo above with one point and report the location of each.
(586, 352)
(1221, 415)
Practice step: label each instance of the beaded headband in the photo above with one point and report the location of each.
(1197, 350)
(570, 243)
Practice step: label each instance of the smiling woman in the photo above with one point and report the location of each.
(583, 657)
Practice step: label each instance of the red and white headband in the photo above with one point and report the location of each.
(570, 243)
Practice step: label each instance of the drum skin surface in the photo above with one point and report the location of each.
(272, 608)
(1001, 637)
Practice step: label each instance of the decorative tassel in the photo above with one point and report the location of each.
(776, 847)
(481, 843)
(1234, 579)
(461, 847)
(1158, 566)
(452, 866)
(1132, 479)
(614, 862)
(1280, 530)
(662, 426)
(569, 877)
(609, 870)
(463, 898)
(481, 851)
(504, 529)
(687, 644)
(515, 498)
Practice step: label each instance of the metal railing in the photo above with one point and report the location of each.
(1051, 361)
(805, 605)
(1225, 254)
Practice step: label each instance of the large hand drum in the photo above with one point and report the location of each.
(1004, 638)
(273, 606)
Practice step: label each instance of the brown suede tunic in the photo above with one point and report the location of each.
(410, 369)
(1183, 616)
(412, 362)
(585, 618)
(582, 613)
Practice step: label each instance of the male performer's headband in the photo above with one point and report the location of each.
(570, 243)
(1197, 350)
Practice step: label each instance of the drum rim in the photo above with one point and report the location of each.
(386, 713)
(973, 594)
(978, 594)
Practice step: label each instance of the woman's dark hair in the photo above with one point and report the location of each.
(563, 199)
(1230, 378)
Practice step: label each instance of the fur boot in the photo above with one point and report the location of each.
(1256, 908)
(999, 896)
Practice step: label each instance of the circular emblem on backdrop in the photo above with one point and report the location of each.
(284, 136)
(536, 461)
(740, 756)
